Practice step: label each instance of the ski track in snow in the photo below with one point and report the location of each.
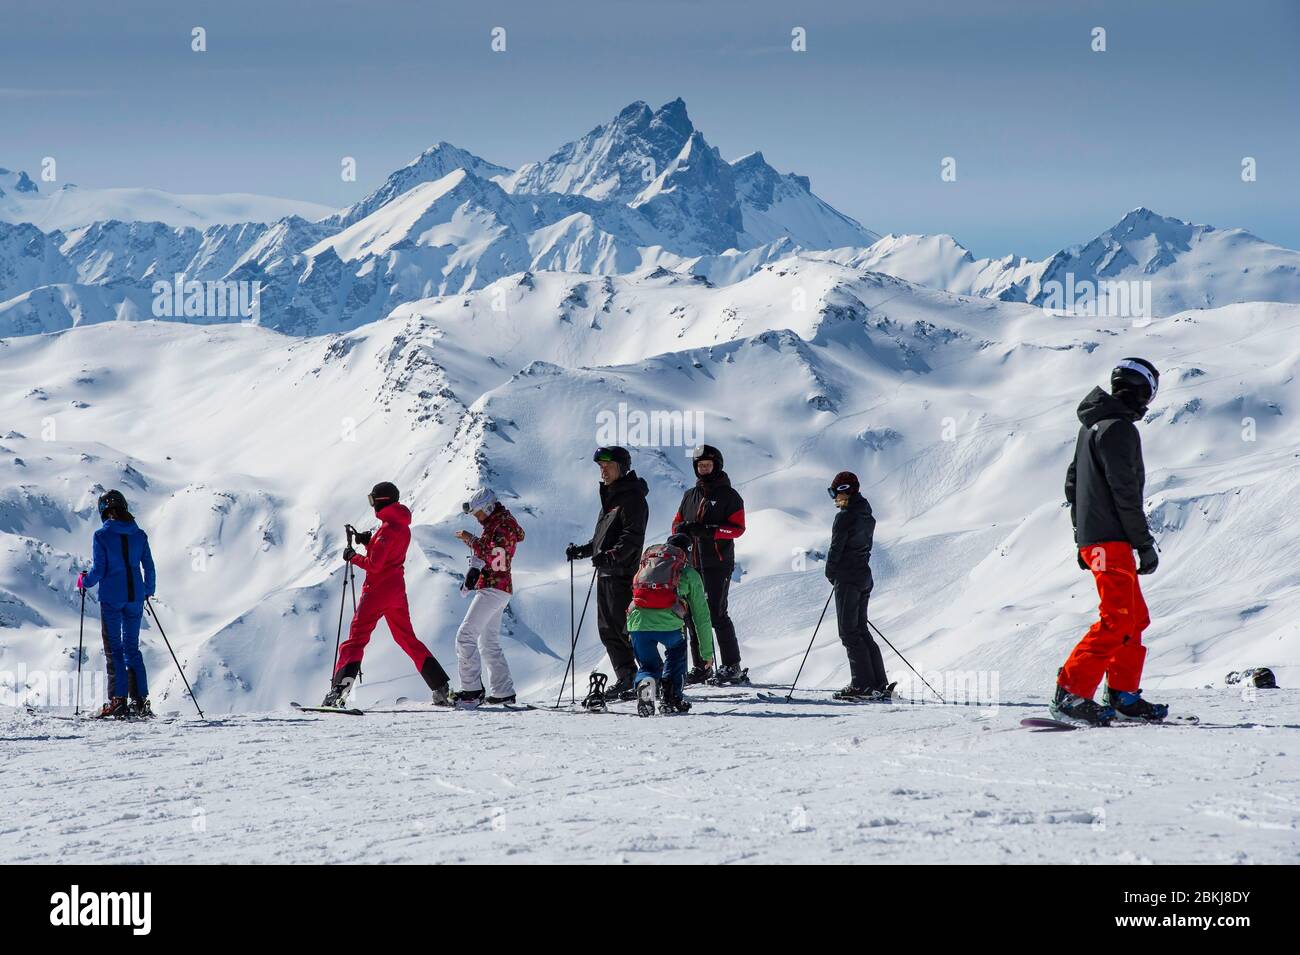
(735, 781)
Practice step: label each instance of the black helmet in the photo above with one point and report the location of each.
(846, 482)
(680, 541)
(619, 456)
(383, 494)
(706, 452)
(112, 500)
(1137, 377)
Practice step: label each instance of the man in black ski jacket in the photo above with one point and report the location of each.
(713, 513)
(848, 568)
(1104, 486)
(615, 552)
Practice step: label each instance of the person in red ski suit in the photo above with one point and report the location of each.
(383, 594)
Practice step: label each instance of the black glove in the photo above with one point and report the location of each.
(1148, 560)
(575, 551)
(471, 578)
(348, 554)
(830, 578)
(1083, 564)
(694, 528)
(362, 537)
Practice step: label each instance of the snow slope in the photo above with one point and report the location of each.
(760, 784)
(245, 451)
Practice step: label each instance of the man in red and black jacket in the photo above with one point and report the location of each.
(713, 513)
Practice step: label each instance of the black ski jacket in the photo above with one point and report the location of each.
(1105, 481)
(718, 511)
(616, 544)
(851, 537)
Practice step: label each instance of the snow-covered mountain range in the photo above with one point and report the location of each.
(640, 192)
(466, 323)
(23, 200)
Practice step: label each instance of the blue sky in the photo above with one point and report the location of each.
(1053, 142)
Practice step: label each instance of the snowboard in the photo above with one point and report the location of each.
(1043, 725)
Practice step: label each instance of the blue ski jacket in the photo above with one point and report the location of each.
(121, 550)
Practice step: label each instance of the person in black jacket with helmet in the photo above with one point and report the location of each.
(615, 551)
(1104, 486)
(713, 514)
(848, 568)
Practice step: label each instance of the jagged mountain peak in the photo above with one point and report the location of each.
(436, 162)
(615, 160)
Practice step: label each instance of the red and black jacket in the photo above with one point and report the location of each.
(715, 514)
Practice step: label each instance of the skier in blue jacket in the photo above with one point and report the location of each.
(121, 551)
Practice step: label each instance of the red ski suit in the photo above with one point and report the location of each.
(383, 594)
(1113, 645)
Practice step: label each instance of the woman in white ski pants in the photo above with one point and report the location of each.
(478, 643)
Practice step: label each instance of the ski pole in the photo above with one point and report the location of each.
(81, 635)
(338, 636)
(573, 647)
(154, 614)
(810, 644)
(573, 640)
(904, 659)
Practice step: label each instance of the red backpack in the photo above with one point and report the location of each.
(655, 585)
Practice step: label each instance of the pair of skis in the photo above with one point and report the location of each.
(430, 708)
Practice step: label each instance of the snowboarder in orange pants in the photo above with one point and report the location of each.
(1113, 645)
(1104, 488)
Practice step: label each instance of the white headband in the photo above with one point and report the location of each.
(1142, 370)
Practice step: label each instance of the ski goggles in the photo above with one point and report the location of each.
(376, 501)
(835, 490)
(604, 454)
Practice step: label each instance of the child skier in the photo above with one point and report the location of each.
(384, 595)
(848, 568)
(665, 590)
(121, 551)
(478, 641)
(1104, 487)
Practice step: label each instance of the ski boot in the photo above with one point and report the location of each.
(501, 699)
(1131, 708)
(699, 674)
(138, 709)
(884, 695)
(624, 689)
(645, 696)
(1071, 708)
(469, 699)
(851, 693)
(730, 676)
(595, 701)
(337, 697)
(674, 702)
(114, 709)
(442, 695)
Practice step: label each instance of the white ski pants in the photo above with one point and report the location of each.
(478, 643)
